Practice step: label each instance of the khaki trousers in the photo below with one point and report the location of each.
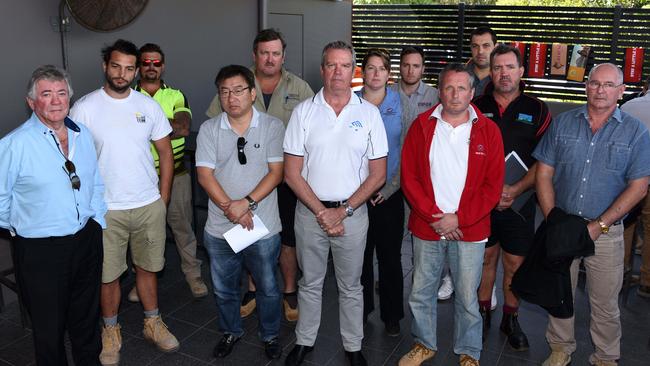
(645, 250)
(179, 219)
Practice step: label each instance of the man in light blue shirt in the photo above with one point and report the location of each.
(51, 200)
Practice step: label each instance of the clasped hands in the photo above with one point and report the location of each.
(331, 221)
(238, 212)
(447, 226)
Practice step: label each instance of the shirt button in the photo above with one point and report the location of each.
(580, 196)
(587, 160)
(592, 144)
(579, 212)
(584, 179)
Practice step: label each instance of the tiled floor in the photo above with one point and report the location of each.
(194, 323)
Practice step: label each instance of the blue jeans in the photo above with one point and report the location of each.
(466, 265)
(261, 259)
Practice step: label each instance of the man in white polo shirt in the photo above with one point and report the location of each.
(335, 159)
(123, 122)
(450, 211)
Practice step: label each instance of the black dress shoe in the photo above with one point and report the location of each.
(516, 337)
(392, 328)
(485, 315)
(356, 358)
(225, 345)
(273, 349)
(297, 355)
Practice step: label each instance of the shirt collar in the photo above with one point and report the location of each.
(616, 116)
(70, 124)
(319, 98)
(225, 124)
(437, 113)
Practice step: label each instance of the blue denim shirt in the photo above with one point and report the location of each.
(592, 170)
(36, 197)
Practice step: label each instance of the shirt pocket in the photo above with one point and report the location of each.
(291, 100)
(567, 149)
(617, 156)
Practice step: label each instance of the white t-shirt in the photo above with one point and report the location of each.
(122, 130)
(448, 157)
(639, 108)
(335, 149)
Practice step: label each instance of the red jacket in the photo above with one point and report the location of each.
(483, 185)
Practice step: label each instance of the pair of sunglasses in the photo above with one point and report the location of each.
(72, 174)
(241, 142)
(156, 63)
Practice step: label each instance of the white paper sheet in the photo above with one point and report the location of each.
(239, 238)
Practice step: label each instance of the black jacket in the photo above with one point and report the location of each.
(544, 278)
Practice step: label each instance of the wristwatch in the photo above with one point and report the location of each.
(349, 211)
(603, 228)
(252, 204)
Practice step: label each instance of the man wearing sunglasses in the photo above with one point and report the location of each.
(52, 201)
(179, 211)
(239, 163)
(279, 92)
(123, 122)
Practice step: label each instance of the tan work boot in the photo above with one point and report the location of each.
(198, 287)
(418, 354)
(290, 313)
(466, 360)
(133, 295)
(156, 332)
(111, 345)
(248, 304)
(605, 363)
(557, 358)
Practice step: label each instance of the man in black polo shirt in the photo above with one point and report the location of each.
(523, 120)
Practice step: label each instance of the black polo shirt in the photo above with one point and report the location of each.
(522, 123)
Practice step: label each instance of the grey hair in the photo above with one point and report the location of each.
(47, 72)
(457, 67)
(619, 72)
(339, 45)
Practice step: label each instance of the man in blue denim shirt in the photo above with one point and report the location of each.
(594, 162)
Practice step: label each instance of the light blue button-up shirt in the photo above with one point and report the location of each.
(592, 170)
(36, 197)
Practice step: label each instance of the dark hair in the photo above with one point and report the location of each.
(152, 47)
(47, 72)
(456, 67)
(383, 54)
(408, 50)
(503, 49)
(339, 45)
(483, 30)
(230, 71)
(268, 35)
(121, 46)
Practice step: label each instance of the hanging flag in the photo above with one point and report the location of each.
(578, 62)
(633, 65)
(558, 59)
(537, 60)
(522, 49)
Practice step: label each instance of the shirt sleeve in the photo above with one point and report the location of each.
(215, 107)
(546, 149)
(378, 140)
(97, 200)
(640, 155)
(9, 165)
(274, 141)
(206, 149)
(294, 137)
(161, 127)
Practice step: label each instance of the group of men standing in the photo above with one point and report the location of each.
(81, 190)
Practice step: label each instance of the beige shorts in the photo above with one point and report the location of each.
(144, 229)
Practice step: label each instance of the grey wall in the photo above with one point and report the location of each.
(198, 37)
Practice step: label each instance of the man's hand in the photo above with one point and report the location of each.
(447, 224)
(165, 198)
(454, 235)
(329, 218)
(246, 221)
(236, 210)
(508, 196)
(594, 230)
(338, 230)
(377, 199)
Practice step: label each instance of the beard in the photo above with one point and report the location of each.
(114, 87)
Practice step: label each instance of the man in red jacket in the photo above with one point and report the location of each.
(452, 175)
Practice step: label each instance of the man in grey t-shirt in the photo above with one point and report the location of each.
(239, 161)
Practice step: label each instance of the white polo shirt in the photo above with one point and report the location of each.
(448, 157)
(336, 150)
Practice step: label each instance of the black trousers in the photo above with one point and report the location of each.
(385, 233)
(59, 279)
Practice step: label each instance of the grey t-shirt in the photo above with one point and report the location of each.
(424, 98)
(216, 148)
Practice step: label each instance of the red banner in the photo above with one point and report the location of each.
(537, 60)
(633, 65)
(522, 48)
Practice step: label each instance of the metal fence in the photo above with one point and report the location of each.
(443, 31)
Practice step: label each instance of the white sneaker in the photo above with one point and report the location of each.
(493, 301)
(446, 289)
(133, 295)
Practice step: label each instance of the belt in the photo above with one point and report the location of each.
(333, 204)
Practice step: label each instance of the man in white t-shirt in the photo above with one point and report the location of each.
(123, 122)
(335, 152)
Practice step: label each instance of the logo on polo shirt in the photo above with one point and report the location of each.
(390, 111)
(356, 125)
(525, 118)
(424, 104)
(139, 117)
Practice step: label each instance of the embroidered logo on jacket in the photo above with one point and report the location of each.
(480, 150)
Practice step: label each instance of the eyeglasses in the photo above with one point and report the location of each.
(241, 142)
(238, 92)
(607, 86)
(72, 174)
(156, 63)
